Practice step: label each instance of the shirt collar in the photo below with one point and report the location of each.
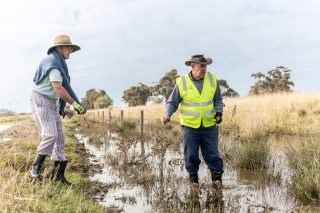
(190, 75)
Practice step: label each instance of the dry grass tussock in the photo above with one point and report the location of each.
(304, 159)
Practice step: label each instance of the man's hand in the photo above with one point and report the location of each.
(165, 119)
(80, 109)
(218, 117)
(62, 113)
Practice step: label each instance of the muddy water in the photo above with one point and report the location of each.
(2, 128)
(151, 182)
(5, 126)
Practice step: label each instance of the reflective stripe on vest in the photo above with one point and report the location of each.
(211, 80)
(195, 114)
(184, 84)
(196, 108)
(197, 103)
(208, 113)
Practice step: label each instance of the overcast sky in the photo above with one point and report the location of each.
(125, 42)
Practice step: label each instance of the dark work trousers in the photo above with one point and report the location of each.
(207, 139)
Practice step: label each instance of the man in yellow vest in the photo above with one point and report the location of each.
(197, 96)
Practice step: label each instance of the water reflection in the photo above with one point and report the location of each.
(149, 176)
(5, 126)
(2, 128)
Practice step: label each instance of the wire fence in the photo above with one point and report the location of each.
(229, 124)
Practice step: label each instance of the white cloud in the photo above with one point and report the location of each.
(129, 41)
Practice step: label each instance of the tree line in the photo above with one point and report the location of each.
(274, 81)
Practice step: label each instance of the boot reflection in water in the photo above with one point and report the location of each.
(193, 200)
(214, 200)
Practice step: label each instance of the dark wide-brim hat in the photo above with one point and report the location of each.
(63, 40)
(199, 59)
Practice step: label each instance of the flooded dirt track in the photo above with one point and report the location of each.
(149, 176)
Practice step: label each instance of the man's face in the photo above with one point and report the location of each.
(198, 70)
(65, 51)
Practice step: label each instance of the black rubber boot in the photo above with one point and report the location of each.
(194, 178)
(216, 179)
(58, 170)
(34, 171)
(55, 167)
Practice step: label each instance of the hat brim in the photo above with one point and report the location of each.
(74, 47)
(208, 61)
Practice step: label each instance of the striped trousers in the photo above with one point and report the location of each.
(45, 113)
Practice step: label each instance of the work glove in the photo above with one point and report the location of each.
(218, 117)
(62, 113)
(80, 109)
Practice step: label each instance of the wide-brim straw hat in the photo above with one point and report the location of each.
(198, 59)
(63, 40)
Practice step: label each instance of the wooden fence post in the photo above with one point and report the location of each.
(103, 116)
(141, 122)
(109, 123)
(121, 117)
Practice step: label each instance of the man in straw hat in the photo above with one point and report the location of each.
(52, 83)
(197, 96)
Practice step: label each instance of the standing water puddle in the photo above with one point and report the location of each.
(5, 126)
(2, 128)
(149, 182)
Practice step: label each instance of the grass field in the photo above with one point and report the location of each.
(19, 193)
(247, 120)
(292, 114)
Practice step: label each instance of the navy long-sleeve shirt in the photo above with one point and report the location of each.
(174, 100)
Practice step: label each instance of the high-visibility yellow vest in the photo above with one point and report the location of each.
(196, 107)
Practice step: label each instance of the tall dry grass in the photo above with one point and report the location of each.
(14, 118)
(152, 113)
(289, 113)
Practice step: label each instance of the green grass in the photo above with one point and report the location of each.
(19, 193)
(305, 162)
(250, 153)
